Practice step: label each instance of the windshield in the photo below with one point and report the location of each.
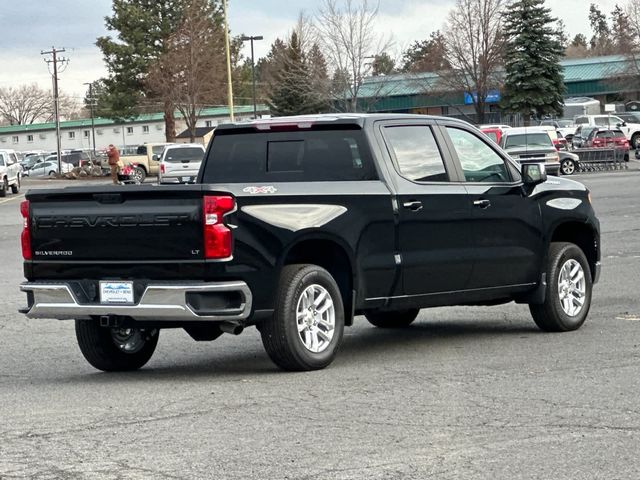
(528, 140)
(565, 123)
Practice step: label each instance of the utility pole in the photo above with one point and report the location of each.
(93, 129)
(253, 69)
(226, 47)
(54, 60)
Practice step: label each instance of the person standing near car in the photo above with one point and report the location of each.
(114, 159)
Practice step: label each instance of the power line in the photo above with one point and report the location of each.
(54, 60)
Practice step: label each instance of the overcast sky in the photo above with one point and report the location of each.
(29, 26)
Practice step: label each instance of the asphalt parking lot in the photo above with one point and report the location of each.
(465, 393)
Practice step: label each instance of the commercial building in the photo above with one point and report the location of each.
(76, 134)
(607, 79)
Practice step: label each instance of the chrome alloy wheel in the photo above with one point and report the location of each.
(129, 340)
(316, 318)
(572, 287)
(568, 167)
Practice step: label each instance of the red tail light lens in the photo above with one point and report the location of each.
(25, 237)
(217, 236)
(162, 168)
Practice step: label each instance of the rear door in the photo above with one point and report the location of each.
(434, 229)
(507, 223)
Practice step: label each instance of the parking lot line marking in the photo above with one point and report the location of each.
(11, 199)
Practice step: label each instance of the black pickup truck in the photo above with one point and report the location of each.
(296, 225)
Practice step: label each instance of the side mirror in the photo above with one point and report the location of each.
(155, 157)
(533, 174)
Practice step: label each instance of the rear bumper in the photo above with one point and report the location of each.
(222, 301)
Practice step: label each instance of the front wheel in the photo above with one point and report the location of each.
(115, 349)
(4, 186)
(306, 329)
(567, 166)
(568, 291)
(392, 319)
(15, 188)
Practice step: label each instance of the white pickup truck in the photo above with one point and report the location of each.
(630, 130)
(10, 172)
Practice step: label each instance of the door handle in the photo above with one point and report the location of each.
(484, 203)
(413, 205)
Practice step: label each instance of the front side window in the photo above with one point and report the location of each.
(416, 153)
(480, 163)
(1, 160)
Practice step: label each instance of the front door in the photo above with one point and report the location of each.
(433, 213)
(507, 223)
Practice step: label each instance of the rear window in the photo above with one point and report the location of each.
(184, 154)
(528, 140)
(299, 156)
(492, 135)
(617, 134)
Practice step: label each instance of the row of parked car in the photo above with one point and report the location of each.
(552, 141)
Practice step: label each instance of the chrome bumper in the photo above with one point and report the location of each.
(159, 302)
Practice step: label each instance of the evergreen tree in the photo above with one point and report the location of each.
(600, 42)
(382, 64)
(578, 47)
(319, 100)
(142, 29)
(533, 83)
(290, 91)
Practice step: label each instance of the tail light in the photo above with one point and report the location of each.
(162, 168)
(25, 237)
(217, 236)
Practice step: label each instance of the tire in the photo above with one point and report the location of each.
(568, 166)
(552, 315)
(4, 187)
(138, 174)
(103, 347)
(392, 319)
(52, 173)
(626, 157)
(281, 335)
(635, 138)
(15, 188)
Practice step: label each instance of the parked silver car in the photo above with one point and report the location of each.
(49, 168)
(10, 172)
(180, 163)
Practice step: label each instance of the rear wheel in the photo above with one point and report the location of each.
(115, 349)
(392, 319)
(306, 329)
(635, 140)
(568, 291)
(138, 174)
(52, 173)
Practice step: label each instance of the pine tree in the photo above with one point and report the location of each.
(140, 30)
(426, 55)
(290, 91)
(534, 82)
(621, 32)
(319, 94)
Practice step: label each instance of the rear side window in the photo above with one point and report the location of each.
(184, 154)
(416, 153)
(297, 156)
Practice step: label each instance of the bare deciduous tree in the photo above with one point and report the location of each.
(350, 40)
(25, 104)
(474, 43)
(191, 72)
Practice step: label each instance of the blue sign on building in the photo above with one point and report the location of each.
(493, 96)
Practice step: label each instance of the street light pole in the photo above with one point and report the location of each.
(93, 129)
(244, 38)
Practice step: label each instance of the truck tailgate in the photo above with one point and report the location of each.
(131, 223)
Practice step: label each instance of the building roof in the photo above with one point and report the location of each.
(147, 117)
(575, 70)
(200, 132)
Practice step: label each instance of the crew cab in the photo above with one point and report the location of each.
(10, 172)
(298, 224)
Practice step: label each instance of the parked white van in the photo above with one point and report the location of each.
(180, 163)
